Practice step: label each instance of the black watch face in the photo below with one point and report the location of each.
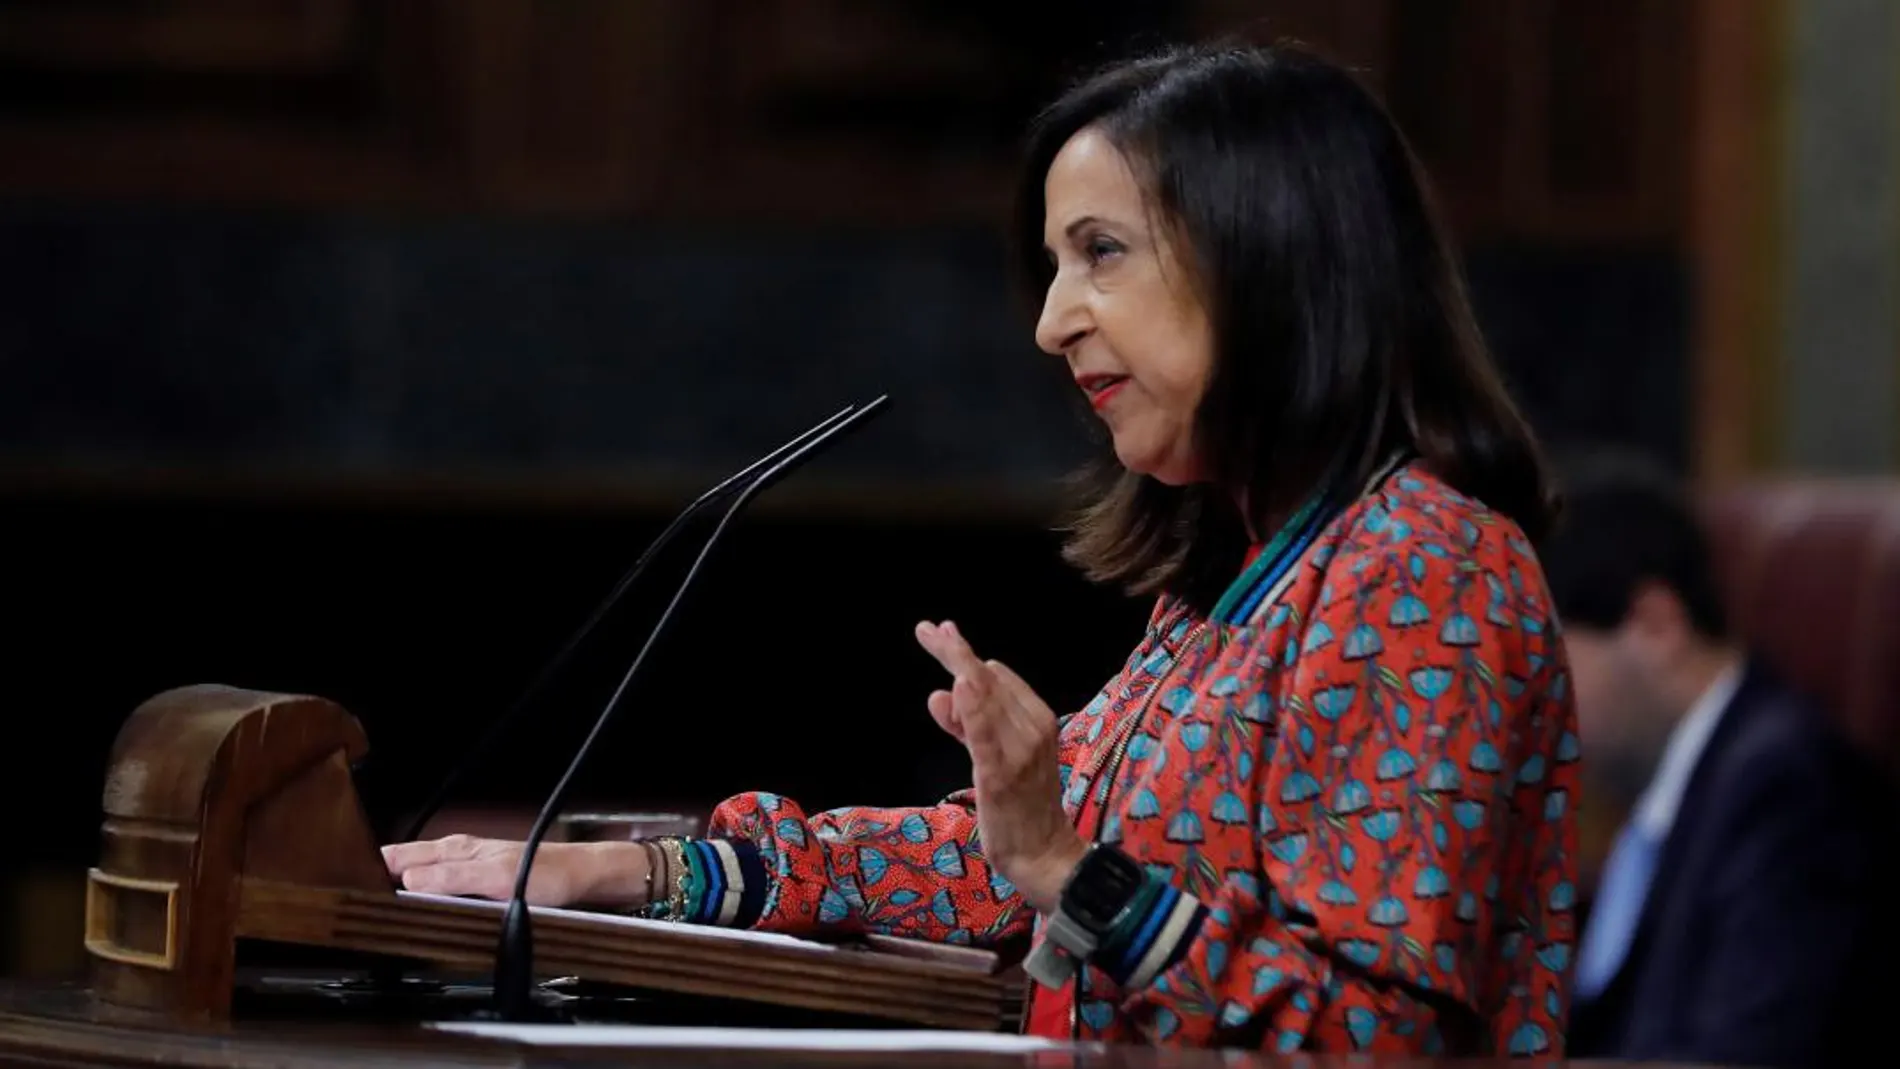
(1102, 886)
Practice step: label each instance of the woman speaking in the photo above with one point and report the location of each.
(1326, 804)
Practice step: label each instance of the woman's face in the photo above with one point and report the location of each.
(1121, 310)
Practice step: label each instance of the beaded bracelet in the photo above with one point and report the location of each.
(679, 875)
(654, 861)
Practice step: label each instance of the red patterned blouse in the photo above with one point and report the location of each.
(1355, 807)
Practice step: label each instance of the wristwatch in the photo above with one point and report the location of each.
(1097, 892)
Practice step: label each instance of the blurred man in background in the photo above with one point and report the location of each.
(1735, 920)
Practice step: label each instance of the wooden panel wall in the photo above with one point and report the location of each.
(1635, 127)
(1732, 236)
(1545, 119)
(490, 103)
(1541, 119)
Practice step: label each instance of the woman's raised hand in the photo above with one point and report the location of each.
(599, 874)
(1011, 736)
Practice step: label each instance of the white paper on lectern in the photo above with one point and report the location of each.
(830, 1039)
(737, 935)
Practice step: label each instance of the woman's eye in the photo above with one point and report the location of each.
(1099, 249)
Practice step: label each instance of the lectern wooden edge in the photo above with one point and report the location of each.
(231, 814)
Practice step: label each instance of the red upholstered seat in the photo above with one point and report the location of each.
(1811, 571)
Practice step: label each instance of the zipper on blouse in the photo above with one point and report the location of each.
(1110, 761)
(1105, 769)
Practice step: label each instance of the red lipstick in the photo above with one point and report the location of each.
(1100, 388)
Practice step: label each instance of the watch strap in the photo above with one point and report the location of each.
(1063, 947)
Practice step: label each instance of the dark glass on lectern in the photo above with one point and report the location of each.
(601, 826)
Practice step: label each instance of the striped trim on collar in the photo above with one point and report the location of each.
(1267, 578)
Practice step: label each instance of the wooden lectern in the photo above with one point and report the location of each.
(231, 815)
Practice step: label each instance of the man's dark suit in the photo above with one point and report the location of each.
(1767, 933)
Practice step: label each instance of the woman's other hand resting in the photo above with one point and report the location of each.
(603, 875)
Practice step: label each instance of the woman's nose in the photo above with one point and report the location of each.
(1064, 319)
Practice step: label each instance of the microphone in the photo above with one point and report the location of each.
(477, 754)
(514, 952)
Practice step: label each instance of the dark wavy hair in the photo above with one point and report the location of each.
(1627, 521)
(1341, 326)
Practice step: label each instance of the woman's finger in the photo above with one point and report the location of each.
(945, 643)
(1012, 684)
(1018, 725)
(978, 713)
(400, 857)
(943, 710)
(1035, 713)
(485, 879)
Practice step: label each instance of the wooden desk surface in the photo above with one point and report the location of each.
(44, 1025)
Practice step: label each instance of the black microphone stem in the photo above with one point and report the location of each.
(514, 953)
(477, 754)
